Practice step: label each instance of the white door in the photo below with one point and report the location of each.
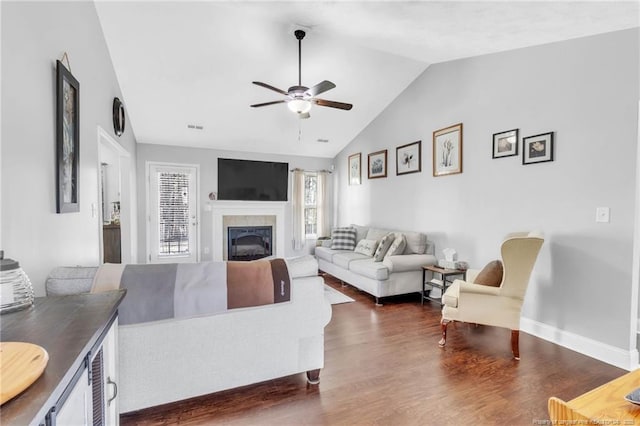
(173, 213)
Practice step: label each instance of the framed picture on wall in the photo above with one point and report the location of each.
(67, 141)
(447, 150)
(505, 144)
(378, 164)
(355, 169)
(537, 148)
(409, 158)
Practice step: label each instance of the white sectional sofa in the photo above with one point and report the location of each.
(394, 275)
(171, 360)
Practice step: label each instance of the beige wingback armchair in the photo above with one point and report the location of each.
(497, 306)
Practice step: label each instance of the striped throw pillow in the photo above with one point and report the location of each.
(343, 238)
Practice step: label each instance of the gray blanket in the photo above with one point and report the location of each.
(163, 291)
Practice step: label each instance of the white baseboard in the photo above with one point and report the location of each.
(613, 355)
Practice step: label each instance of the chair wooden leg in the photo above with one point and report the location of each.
(515, 346)
(443, 327)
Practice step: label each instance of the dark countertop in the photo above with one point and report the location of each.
(67, 327)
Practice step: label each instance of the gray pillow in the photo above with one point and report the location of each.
(343, 239)
(383, 246)
(398, 246)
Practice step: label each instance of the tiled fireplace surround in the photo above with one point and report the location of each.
(247, 213)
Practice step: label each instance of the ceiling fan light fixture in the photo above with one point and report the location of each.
(299, 106)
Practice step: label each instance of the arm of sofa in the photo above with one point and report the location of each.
(408, 262)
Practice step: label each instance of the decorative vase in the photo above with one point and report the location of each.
(16, 291)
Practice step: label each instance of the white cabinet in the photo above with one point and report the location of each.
(77, 409)
(92, 399)
(110, 359)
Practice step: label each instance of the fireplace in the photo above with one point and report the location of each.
(247, 214)
(249, 242)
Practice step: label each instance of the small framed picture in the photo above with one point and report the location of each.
(505, 144)
(537, 148)
(378, 164)
(409, 158)
(355, 169)
(67, 141)
(447, 150)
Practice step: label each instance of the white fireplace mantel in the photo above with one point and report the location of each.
(219, 209)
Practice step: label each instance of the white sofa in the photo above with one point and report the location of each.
(171, 360)
(395, 275)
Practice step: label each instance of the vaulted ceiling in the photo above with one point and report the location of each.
(192, 63)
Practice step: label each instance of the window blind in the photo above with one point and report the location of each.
(173, 212)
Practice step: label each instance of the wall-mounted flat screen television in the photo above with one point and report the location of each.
(252, 180)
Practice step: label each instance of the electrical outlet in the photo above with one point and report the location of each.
(602, 214)
(206, 250)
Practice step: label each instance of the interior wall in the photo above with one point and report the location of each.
(207, 159)
(586, 92)
(34, 35)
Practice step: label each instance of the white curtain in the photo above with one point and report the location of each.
(322, 205)
(298, 210)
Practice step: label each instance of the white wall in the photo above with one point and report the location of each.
(207, 159)
(584, 90)
(34, 35)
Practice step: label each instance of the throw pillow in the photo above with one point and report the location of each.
(343, 238)
(397, 246)
(491, 274)
(366, 247)
(383, 247)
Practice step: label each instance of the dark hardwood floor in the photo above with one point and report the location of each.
(383, 366)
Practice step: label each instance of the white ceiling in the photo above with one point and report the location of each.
(181, 63)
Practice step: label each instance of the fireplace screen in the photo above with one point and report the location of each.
(249, 242)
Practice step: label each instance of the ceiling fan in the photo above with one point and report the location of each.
(299, 98)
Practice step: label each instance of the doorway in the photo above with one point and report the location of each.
(172, 231)
(114, 189)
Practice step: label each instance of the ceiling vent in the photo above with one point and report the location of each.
(194, 126)
(323, 140)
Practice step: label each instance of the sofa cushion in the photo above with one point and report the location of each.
(343, 238)
(361, 232)
(398, 245)
(344, 258)
(416, 243)
(327, 253)
(370, 269)
(383, 247)
(491, 274)
(376, 233)
(366, 247)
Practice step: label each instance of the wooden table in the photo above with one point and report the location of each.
(606, 403)
(442, 283)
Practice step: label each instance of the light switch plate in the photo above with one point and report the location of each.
(602, 214)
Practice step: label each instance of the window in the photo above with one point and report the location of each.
(311, 205)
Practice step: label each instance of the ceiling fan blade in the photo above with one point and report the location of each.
(268, 103)
(332, 104)
(321, 87)
(267, 86)
(304, 115)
